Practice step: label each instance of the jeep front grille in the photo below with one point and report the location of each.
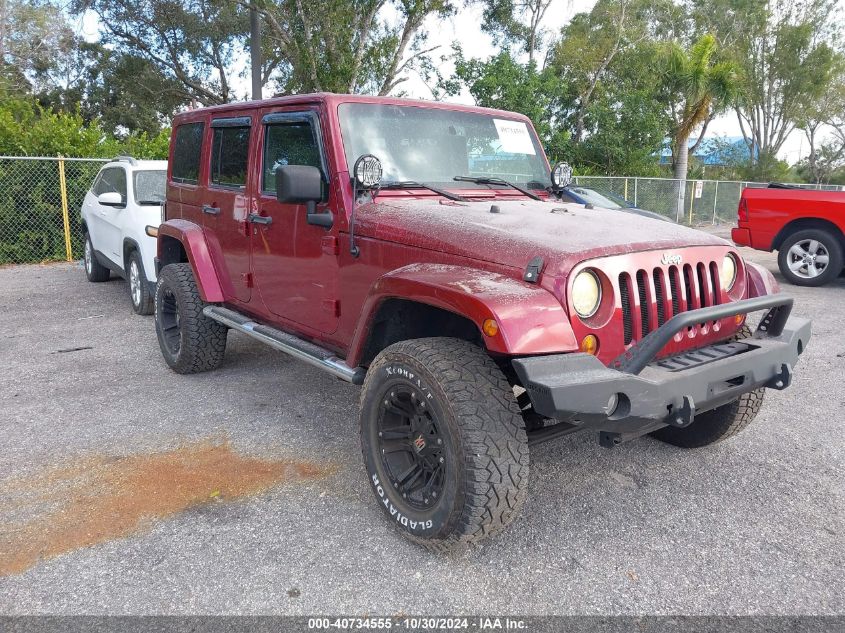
(648, 300)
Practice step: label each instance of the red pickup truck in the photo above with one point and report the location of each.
(424, 251)
(805, 226)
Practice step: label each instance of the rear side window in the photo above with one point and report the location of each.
(229, 156)
(288, 144)
(112, 179)
(186, 152)
(150, 186)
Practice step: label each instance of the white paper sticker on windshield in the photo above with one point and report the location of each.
(515, 137)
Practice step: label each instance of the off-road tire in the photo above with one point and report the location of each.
(94, 270)
(717, 424)
(143, 302)
(828, 241)
(485, 448)
(197, 343)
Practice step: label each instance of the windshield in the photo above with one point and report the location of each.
(607, 201)
(433, 145)
(150, 186)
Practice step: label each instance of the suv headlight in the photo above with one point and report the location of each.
(727, 276)
(586, 293)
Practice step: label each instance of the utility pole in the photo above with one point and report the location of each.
(255, 49)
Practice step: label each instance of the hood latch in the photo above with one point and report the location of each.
(533, 270)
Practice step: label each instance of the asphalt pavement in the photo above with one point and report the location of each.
(127, 489)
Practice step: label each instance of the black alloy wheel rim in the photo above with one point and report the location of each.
(411, 446)
(168, 318)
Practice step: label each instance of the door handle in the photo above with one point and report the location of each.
(259, 219)
(207, 208)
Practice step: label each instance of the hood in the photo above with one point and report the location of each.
(511, 233)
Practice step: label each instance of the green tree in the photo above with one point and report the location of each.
(192, 43)
(516, 22)
(825, 114)
(786, 50)
(583, 58)
(699, 87)
(35, 42)
(503, 83)
(347, 46)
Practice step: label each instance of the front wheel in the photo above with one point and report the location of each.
(190, 342)
(443, 442)
(812, 257)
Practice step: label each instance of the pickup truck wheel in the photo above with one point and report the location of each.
(720, 423)
(139, 289)
(812, 257)
(443, 442)
(190, 342)
(94, 270)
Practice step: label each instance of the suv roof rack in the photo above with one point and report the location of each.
(127, 159)
(782, 185)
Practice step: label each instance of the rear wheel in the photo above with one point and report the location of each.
(139, 288)
(443, 442)
(190, 342)
(94, 270)
(812, 257)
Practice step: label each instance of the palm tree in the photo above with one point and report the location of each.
(700, 88)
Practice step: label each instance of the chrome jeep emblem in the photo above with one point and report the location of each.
(669, 259)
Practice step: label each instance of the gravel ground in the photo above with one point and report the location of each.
(270, 512)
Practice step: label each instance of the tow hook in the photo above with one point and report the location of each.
(682, 416)
(782, 379)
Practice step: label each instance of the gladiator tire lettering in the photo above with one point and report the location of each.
(396, 514)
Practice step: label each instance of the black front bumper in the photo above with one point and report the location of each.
(637, 394)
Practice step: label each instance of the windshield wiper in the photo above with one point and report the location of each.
(409, 184)
(150, 202)
(483, 180)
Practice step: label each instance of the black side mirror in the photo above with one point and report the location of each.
(302, 184)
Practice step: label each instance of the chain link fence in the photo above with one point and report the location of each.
(703, 202)
(40, 199)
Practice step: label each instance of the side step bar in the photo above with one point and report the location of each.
(288, 343)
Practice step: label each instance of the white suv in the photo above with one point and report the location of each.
(120, 215)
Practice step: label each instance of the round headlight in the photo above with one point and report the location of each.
(727, 276)
(367, 171)
(586, 293)
(561, 175)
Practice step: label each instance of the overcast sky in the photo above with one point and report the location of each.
(464, 28)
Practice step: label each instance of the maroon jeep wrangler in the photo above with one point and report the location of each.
(421, 250)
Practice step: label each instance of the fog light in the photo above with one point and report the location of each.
(611, 404)
(490, 327)
(590, 344)
(739, 318)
